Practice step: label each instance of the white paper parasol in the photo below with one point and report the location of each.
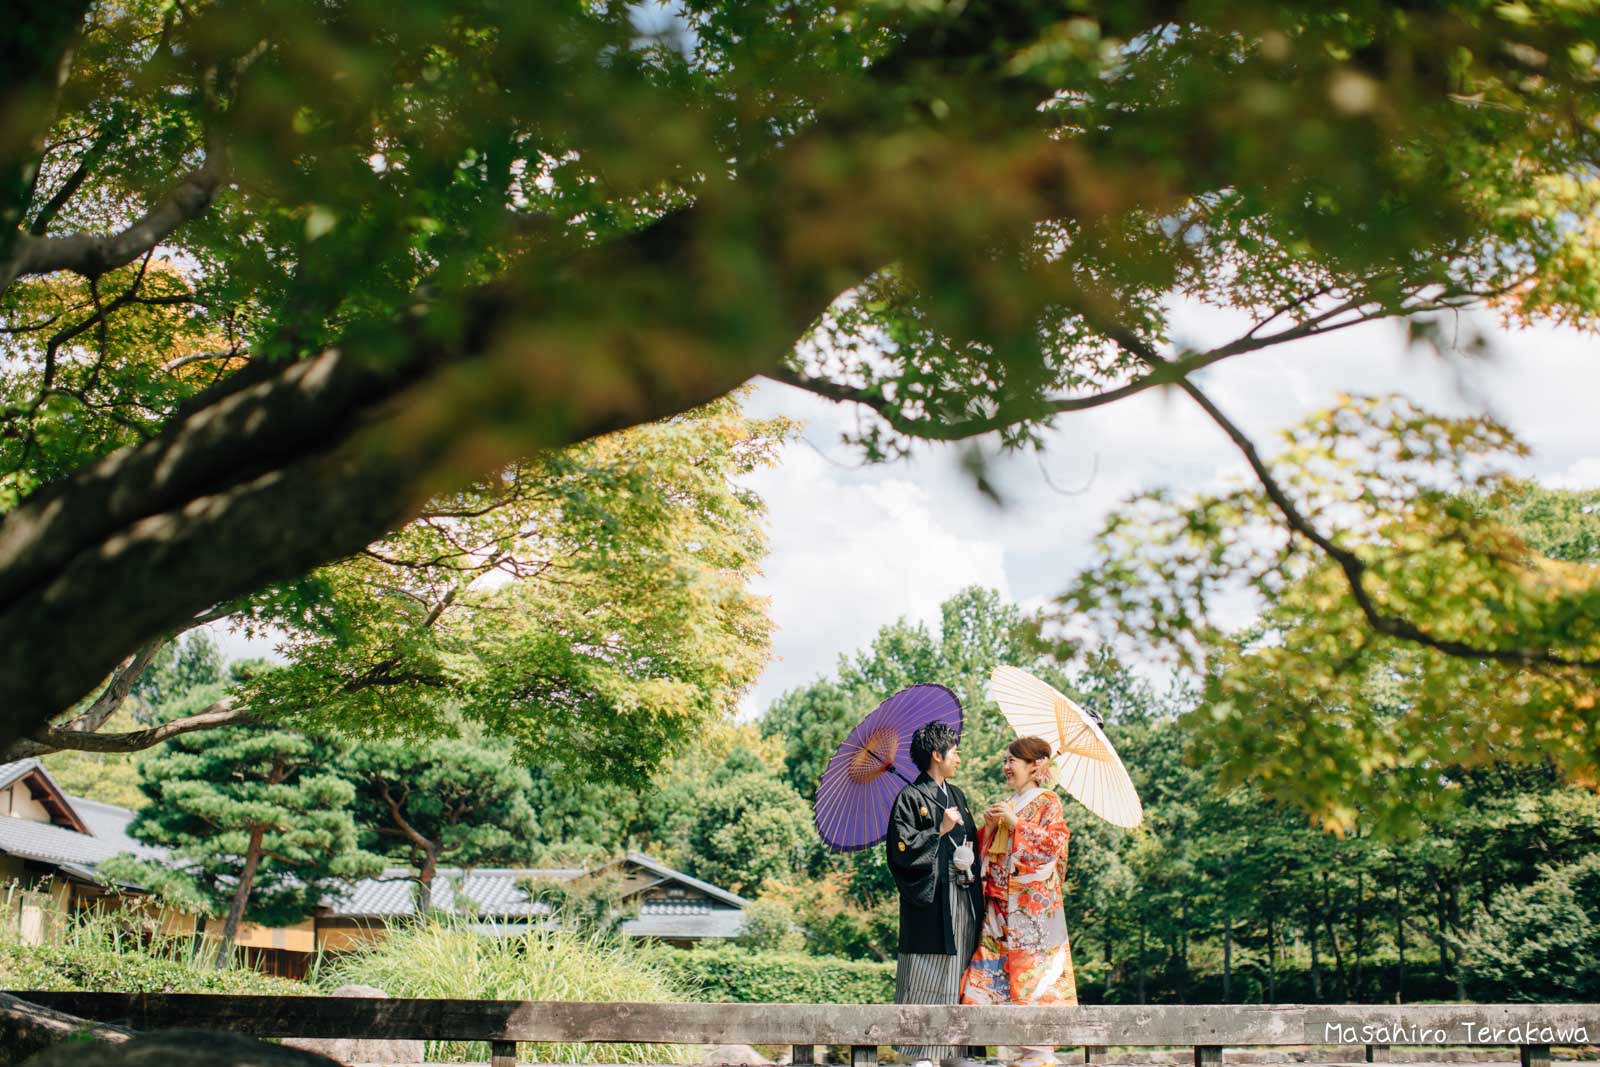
(1088, 766)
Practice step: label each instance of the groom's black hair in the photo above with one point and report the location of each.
(934, 737)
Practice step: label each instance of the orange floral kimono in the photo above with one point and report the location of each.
(1023, 954)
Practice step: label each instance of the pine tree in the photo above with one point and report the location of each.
(453, 802)
(256, 824)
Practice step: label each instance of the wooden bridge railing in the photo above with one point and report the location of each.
(1208, 1029)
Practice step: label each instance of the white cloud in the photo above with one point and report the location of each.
(851, 554)
(1583, 474)
(856, 547)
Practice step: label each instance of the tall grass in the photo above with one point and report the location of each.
(445, 957)
(120, 951)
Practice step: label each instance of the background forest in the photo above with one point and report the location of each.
(1485, 883)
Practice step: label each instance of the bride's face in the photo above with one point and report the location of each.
(1018, 772)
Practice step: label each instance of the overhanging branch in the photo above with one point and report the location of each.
(56, 739)
(1165, 373)
(92, 255)
(1353, 567)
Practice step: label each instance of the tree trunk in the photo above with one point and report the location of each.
(430, 867)
(1183, 950)
(1141, 960)
(1361, 911)
(1316, 962)
(1272, 958)
(1333, 937)
(1439, 921)
(1400, 938)
(1455, 948)
(241, 895)
(1227, 959)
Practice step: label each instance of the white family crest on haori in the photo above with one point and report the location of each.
(1087, 766)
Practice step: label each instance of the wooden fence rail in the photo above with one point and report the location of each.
(1206, 1028)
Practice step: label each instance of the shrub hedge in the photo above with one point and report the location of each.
(126, 969)
(733, 975)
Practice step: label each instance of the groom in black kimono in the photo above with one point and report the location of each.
(931, 851)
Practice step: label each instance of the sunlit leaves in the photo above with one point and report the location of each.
(592, 606)
(1311, 702)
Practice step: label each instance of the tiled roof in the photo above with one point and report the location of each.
(487, 892)
(709, 923)
(53, 844)
(495, 897)
(676, 907)
(655, 866)
(10, 772)
(110, 823)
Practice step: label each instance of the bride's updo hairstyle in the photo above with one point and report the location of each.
(1029, 748)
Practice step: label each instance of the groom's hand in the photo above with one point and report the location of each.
(952, 819)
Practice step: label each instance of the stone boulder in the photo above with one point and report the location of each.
(178, 1048)
(741, 1055)
(350, 1051)
(27, 1028)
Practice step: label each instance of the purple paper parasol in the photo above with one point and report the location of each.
(862, 779)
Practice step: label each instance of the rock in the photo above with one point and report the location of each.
(735, 1054)
(178, 1048)
(27, 1028)
(351, 1051)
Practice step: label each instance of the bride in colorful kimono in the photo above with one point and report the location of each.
(1023, 956)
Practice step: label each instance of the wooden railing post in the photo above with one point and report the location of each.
(1094, 1053)
(1535, 1056)
(805, 1056)
(1379, 1054)
(863, 1056)
(1208, 1056)
(502, 1054)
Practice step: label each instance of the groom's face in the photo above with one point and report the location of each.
(948, 763)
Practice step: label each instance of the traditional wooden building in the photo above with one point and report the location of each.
(51, 845)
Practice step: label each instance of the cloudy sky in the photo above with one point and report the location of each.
(854, 548)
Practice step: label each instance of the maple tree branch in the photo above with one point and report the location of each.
(1353, 567)
(1166, 373)
(93, 254)
(123, 679)
(56, 739)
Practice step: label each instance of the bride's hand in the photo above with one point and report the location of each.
(1002, 812)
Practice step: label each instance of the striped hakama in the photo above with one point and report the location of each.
(929, 978)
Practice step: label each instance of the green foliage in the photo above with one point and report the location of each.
(748, 828)
(451, 960)
(220, 799)
(451, 803)
(1539, 942)
(182, 665)
(769, 926)
(733, 974)
(1310, 702)
(108, 954)
(590, 905)
(590, 606)
(839, 919)
(665, 819)
(521, 226)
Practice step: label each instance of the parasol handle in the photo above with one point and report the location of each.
(889, 766)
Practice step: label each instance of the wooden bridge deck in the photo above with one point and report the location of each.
(1205, 1030)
